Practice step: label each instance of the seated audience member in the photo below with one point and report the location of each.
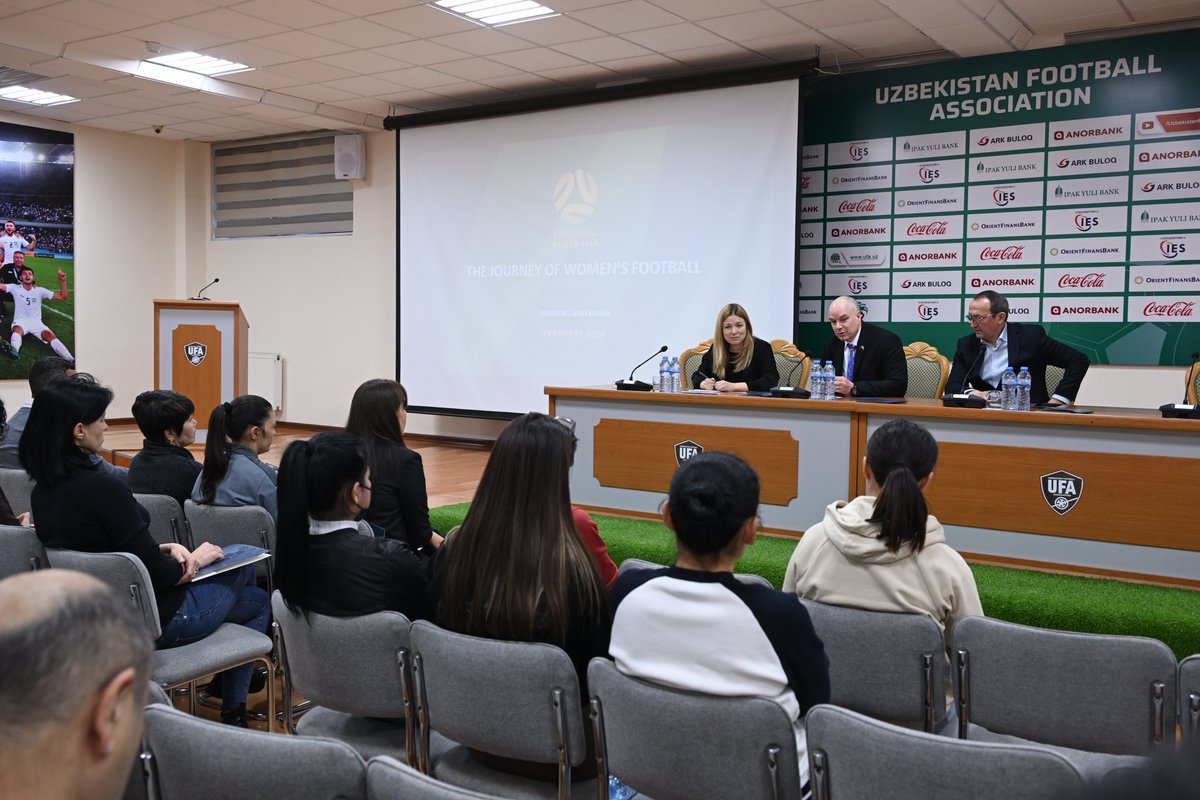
(78, 507)
(43, 371)
(76, 662)
(322, 562)
(7, 515)
(399, 504)
(165, 465)
(884, 551)
(737, 361)
(696, 627)
(238, 433)
(517, 568)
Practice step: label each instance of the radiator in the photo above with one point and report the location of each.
(265, 378)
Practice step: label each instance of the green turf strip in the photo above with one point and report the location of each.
(1062, 602)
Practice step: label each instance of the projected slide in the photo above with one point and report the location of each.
(562, 247)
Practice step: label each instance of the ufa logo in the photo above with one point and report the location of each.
(1003, 197)
(687, 450)
(575, 196)
(1062, 491)
(1171, 249)
(927, 311)
(858, 152)
(195, 352)
(928, 174)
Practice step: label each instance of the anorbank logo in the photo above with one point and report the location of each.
(575, 196)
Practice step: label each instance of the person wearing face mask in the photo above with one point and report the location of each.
(737, 361)
(164, 465)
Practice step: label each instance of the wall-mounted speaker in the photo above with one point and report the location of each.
(349, 157)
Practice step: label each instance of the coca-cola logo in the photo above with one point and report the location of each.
(1003, 197)
(1092, 280)
(928, 174)
(1085, 222)
(1180, 308)
(864, 206)
(927, 311)
(1171, 249)
(934, 228)
(1012, 252)
(804, 181)
(858, 152)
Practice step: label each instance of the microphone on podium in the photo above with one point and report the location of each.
(200, 294)
(629, 384)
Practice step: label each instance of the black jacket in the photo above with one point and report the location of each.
(399, 503)
(1028, 346)
(879, 367)
(759, 376)
(163, 469)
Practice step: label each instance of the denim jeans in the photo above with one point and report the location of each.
(229, 597)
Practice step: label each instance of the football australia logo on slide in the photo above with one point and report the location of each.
(195, 352)
(686, 450)
(1062, 491)
(575, 196)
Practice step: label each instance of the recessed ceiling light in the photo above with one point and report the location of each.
(495, 13)
(200, 64)
(35, 97)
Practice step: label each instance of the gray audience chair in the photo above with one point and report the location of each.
(166, 518)
(852, 756)
(18, 488)
(356, 671)
(226, 525)
(192, 759)
(1189, 700)
(20, 550)
(515, 700)
(676, 745)
(639, 563)
(1104, 702)
(228, 646)
(888, 666)
(389, 779)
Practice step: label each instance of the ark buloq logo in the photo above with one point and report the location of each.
(1012, 252)
(1180, 309)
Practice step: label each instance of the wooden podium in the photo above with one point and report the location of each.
(201, 349)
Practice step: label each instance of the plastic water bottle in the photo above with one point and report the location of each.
(675, 376)
(830, 376)
(814, 381)
(664, 370)
(1024, 384)
(618, 790)
(1008, 387)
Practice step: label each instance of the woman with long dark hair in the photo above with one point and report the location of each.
(79, 507)
(695, 626)
(238, 433)
(884, 551)
(322, 563)
(399, 503)
(737, 361)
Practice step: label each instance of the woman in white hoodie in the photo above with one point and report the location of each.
(884, 551)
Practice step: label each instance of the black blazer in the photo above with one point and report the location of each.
(759, 376)
(1028, 346)
(879, 367)
(399, 503)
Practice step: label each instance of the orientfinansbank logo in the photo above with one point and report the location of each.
(575, 196)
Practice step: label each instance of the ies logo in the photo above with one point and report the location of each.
(1085, 222)
(927, 311)
(856, 285)
(1171, 249)
(1003, 197)
(575, 196)
(928, 174)
(858, 152)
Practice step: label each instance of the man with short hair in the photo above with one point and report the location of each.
(27, 318)
(75, 661)
(869, 360)
(12, 244)
(994, 344)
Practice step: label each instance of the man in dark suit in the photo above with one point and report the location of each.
(869, 360)
(981, 358)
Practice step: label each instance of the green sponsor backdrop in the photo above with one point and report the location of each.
(1042, 86)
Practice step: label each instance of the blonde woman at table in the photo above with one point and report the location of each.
(736, 362)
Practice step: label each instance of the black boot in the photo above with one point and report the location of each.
(234, 716)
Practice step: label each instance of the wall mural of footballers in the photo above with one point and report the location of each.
(37, 226)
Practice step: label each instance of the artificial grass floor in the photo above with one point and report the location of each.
(1061, 602)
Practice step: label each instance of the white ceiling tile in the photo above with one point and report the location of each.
(902, 47)
(473, 92)
(870, 34)
(421, 52)
(567, 6)
(232, 25)
(472, 69)
(39, 31)
(320, 93)
(362, 33)
(367, 105)
(365, 8)
(252, 55)
(114, 45)
(974, 37)
(413, 99)
(1082, 23)
(193, 112)
(110, 124)
(135, 101)
(418, 78)
(180, 37)
(97, 16)
(423, 21)
(792, 47)
(634, 15)
(754, 25)
(75, 87)
(263, 79)
(525, 84)
(363, 85)
(482, 42)
(301, 44)
(554, 30)
(729, 57)
(704, 9)
(587, 75)
(311, 71)
(200, 129)
(157, 117)
(684, 36)
(1153, 11)
(77, 68)
(162, 9)
(20, 58)
(439, 103)
(293, 13)
(69, 113)
(537, 59)
(1034, 11)
(653, 64)
(608, 48)
(922, 14)
(364, 62)
(264, 110)
(831, 13)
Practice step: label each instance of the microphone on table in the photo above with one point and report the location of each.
(200, 294)
(1183, 410)
(966, 399)
(630, 384)
(786, 389)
